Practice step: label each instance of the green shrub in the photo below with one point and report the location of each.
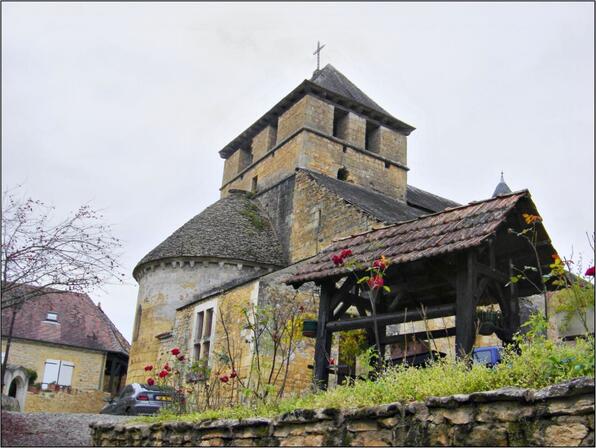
(535, 363)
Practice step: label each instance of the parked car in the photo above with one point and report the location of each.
(489, 356)
(138, 399)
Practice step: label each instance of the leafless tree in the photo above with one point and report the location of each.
(39, 254)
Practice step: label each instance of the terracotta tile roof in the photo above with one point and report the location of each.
(452, 230)
(81, 323)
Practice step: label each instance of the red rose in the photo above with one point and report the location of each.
(181, 358)
(590, 272)
(224, 378)
(332, 362)
(175, 351)
(337, 260)
(345, 253)
(150, 381)
(148, 368)
(167, 367)
(163, 373)
(376, 282)
(379, 264)
(233, 374)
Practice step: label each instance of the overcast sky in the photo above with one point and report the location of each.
(127, 105)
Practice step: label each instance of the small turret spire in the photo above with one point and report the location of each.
(502, 187)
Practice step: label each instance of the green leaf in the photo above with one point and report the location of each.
(386, 288)
(363, 279)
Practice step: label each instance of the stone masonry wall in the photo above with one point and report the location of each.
(559, 415)
(73, 401)
(319, 217)
(161, 291)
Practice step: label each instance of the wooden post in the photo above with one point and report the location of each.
(323, 342)
(513, 303)
(465, 307)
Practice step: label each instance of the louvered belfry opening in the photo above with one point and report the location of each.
(443, 264)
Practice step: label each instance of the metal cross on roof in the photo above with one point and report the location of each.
(318, 53)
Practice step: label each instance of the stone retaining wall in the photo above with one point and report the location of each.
(559, 415)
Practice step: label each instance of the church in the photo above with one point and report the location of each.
(325, 163)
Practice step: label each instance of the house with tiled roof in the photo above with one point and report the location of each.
(324, 163)
(78, 354)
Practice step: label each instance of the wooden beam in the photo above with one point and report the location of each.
(342, 291)
(465, 315)
(323, 341)
(392, 318)
(492, 273)
(420, 335)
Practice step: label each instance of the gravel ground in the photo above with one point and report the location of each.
(50, 429)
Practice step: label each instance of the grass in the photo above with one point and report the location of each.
(540, 363)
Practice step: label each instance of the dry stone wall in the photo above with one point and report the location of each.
(559, 415)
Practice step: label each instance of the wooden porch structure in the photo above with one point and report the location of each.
(444, 264)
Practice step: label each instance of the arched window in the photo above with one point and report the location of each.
(137, 325)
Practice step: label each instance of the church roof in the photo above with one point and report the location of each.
(383, 207)
(234, 227)
(333, 80)
(331, 85)
(502, 187)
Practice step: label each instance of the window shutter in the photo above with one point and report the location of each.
(65, 373)
(50, 373)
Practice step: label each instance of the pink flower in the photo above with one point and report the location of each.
(175, 351)
(332, 361)
(181, 358)
(150, 381)
(590, 272)
(148, 368)
(163, 373)
(224, 378)
(233, 374)
(167, 367)
(376, 282)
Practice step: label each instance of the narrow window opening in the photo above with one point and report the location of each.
(372, 139)
(253, 187)
(272, 137)
(137, 324)
(340, 123)
(343, 174)
(203, 333)
(387, 164)
(245, 157)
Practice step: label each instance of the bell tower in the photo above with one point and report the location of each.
(326, 125)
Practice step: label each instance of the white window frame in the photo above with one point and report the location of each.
(62, 376)
(52, 320)
(203, 307)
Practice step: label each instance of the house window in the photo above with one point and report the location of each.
(372, 140)
(52, 317)
(340, 123)
(58, 372)
(272, 137)
(204, 330)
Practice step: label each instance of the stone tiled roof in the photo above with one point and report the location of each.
(383, 207)
(234, 227)
(428, 236)
(332, 79)
(81, 323)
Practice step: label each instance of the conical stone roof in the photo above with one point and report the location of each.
(234, 227)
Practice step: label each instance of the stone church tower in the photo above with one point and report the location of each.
(324, 163)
